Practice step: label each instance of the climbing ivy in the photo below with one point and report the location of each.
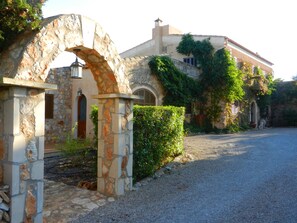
(257, 86)
(220, 80)
(180, 90)
(17, 16)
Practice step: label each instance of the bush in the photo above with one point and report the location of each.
(158, 137)
(94, 118)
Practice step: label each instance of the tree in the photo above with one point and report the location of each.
(17, 16)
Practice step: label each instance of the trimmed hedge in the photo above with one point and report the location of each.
(158, 137)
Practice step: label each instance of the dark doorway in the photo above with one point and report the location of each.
(81, 116)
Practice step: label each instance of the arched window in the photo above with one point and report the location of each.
(148, 97)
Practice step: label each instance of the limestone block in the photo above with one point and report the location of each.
(30, 208)
(17, 205)
(38, 218)
(39, 112)
(100, 129)
(129, 140)
(120, 186)
(101, 185)
(16, 148)
(128, 183)
(119, 142)
(17, 92)
(40, 147)
(130, 121)
(116, 123)
(100, 152)
(100, 166)
(31, 151)
(40, 186)
(129, 166)
(12, 116)
(100, 32)
(120, 106)
(115, 170)
(88, 32)
(37, 171)
(12, 177)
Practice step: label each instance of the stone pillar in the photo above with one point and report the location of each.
(23, 144)
(115, 143)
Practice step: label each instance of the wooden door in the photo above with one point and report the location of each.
(82, 117)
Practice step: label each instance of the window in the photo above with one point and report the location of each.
(191, 61)
(49, 106)
(148, 97)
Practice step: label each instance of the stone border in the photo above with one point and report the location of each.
(6, 81)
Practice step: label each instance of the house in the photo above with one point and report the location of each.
(166, 38)
(71, 104)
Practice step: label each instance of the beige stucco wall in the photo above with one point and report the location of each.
(166, 38)
(89, 89)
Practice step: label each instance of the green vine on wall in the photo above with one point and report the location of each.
(257, 86)
(220, 80)
(180, 90)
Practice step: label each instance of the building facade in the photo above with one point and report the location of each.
(166, 38)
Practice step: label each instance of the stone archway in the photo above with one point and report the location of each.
(23, 70)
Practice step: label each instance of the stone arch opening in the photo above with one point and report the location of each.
(23, 70)
(148, 96)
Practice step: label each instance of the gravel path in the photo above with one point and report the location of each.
(248, 177)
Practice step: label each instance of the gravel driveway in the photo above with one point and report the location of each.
(247, 177)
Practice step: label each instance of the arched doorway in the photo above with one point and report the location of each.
(23, 70)
(253, 114)
(81, 116)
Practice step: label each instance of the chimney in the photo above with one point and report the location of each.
(158, 22)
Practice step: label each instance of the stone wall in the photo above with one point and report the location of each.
(57, 128)
(22, 141)
(139, 75)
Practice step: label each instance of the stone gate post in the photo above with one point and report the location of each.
(23, 110)
(115, 143)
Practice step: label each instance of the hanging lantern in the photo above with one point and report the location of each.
(76, 67)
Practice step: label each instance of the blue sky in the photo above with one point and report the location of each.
(263, 26)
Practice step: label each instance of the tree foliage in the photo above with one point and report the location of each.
(17, 16)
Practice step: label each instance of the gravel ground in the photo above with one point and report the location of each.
(247, 177)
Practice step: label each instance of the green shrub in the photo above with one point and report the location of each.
(94, 118)
(158, 137)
